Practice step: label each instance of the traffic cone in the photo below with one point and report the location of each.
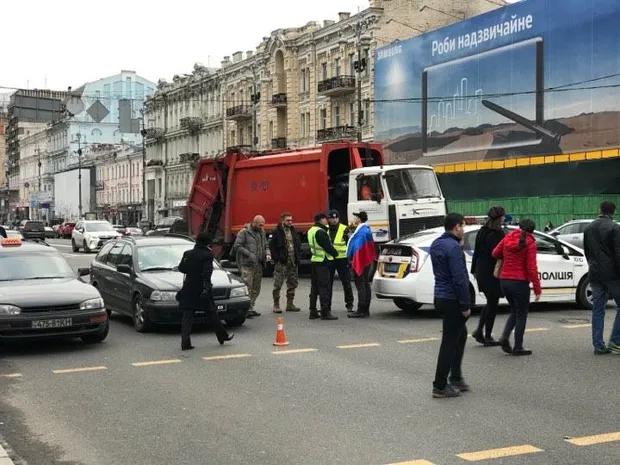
(280, 336)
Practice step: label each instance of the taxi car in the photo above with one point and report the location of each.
(42, 297)
(405, 272)
(138, 277)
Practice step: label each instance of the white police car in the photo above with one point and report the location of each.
(405, 272)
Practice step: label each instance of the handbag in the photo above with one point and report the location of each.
(498, 268)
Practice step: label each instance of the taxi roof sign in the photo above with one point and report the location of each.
(11, 242)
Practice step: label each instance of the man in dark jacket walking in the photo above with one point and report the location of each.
(452, 300)
(196, 293)
(285, 248)
(323, 253)
(601, 243)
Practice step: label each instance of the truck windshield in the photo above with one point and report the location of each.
(412, 183)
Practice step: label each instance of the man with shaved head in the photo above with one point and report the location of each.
(252, 253)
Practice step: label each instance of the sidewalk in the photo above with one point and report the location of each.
(4, 457)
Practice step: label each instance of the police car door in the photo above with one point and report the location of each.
(556, 271)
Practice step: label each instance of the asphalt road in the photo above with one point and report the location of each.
(343, 392)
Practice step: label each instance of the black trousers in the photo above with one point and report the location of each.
(364, 293)
(518, 295)
(488, 314)
(453, 341)
(341, 265)
(187, 321)
(321, 286)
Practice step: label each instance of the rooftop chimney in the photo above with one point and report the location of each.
(237, 57)
(328, 22)
(225, 61)
(249, 54)
(343, 15)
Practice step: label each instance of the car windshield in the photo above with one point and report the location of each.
(412, 183)
(13, 234)
(98, 227)
(26, 266)
(34, 226)
(161, 257)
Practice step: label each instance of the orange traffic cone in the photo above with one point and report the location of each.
(280, 336)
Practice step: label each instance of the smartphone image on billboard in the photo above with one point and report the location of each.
(493, 100)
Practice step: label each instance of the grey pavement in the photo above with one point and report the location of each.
(343, 392)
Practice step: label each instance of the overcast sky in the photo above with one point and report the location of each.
(70, 42)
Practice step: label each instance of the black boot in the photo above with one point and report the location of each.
(314, 315)
(229, 337)
(359, 314)
(328, 316)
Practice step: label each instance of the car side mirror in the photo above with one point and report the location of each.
(83, 271)
(555, 233)
(125, 269)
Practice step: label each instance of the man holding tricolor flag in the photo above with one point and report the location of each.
(361, 253)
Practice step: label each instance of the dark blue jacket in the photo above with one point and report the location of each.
(451, 277)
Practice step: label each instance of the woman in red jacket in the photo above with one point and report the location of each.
(519, 269)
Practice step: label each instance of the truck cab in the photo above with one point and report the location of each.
(399, 199)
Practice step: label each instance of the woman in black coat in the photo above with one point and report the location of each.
(482, 266)
(196, 293)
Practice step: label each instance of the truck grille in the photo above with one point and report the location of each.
(412, 225)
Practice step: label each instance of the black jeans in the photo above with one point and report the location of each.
(518, 295)
(321, 286)
(341, 265)
(488, 314)
(453, 341)
(364, 293)
(187, 321)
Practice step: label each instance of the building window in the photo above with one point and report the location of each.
(308, 123)
(352, 114)
(351, 64)
(367, 57)
(302, 83)
(337, 69)
(303, 125)
(323, 71)
(336, 118)
(323, 118)
(366, 114)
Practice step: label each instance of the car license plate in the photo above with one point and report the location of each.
(391, 267)
(221, 307)
(54, 323)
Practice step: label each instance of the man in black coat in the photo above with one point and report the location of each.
(323, 252)
(196, 293)
(601, 244)
(285, 248)
(3, 232)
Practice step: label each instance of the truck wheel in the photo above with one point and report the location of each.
(268, 270)
(584, 293)
(407, 305)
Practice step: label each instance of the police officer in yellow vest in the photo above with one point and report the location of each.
(339, 235)
(323, 252)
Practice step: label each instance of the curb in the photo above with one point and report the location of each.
(4, 457)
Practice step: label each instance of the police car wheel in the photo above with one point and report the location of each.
(234, 322)
(407, 305)
(584, 293)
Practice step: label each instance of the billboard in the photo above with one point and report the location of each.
(66, 193)
(537, 77)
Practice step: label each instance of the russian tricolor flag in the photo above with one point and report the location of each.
(361, 249)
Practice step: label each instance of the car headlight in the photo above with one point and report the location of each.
(240, 291)
(163, 296)
(9, 310)
(92, 304)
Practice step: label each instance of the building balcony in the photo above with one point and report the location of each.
(278, 143)
(239, 112)
(192, 124)
(155, 164)
(155, 133)
(279, 100)
(337, 86)
(336, 133)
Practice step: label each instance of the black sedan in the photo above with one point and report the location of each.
(41, 296)
(138, 277)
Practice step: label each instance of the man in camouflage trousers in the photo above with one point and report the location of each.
(252, 253)
(285, 248)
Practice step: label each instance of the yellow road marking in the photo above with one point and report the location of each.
(414, 462)
(499, 453)
(597, 439)
(293, 351)
(156, 362)
(11, 375)
(586, 325)
(359, 346)
(78, 370)
(226, 357)
(413, 341)
(535, 330)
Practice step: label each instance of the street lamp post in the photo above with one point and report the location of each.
(79, 154)
(143, 134)
(255, 98)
